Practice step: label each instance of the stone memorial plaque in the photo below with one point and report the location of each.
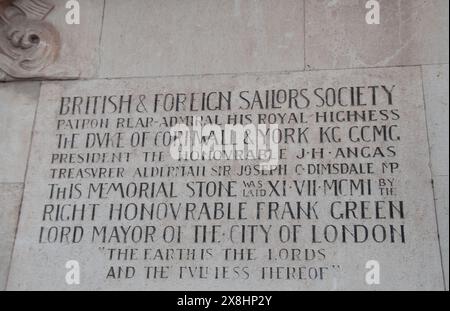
(300, 181)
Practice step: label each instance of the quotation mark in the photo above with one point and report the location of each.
(373, 15)
(73, 273)
(73, 13)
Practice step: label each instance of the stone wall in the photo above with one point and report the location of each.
(202, 40)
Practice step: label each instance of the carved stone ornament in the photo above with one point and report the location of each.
(29, 46)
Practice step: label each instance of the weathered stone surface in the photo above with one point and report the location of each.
(404, 244)
(436, 101)
(44, 44)
(411, 32)
(10, 199)
(437, 110)
(441, 197)
(170, 37)
(18, 102)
